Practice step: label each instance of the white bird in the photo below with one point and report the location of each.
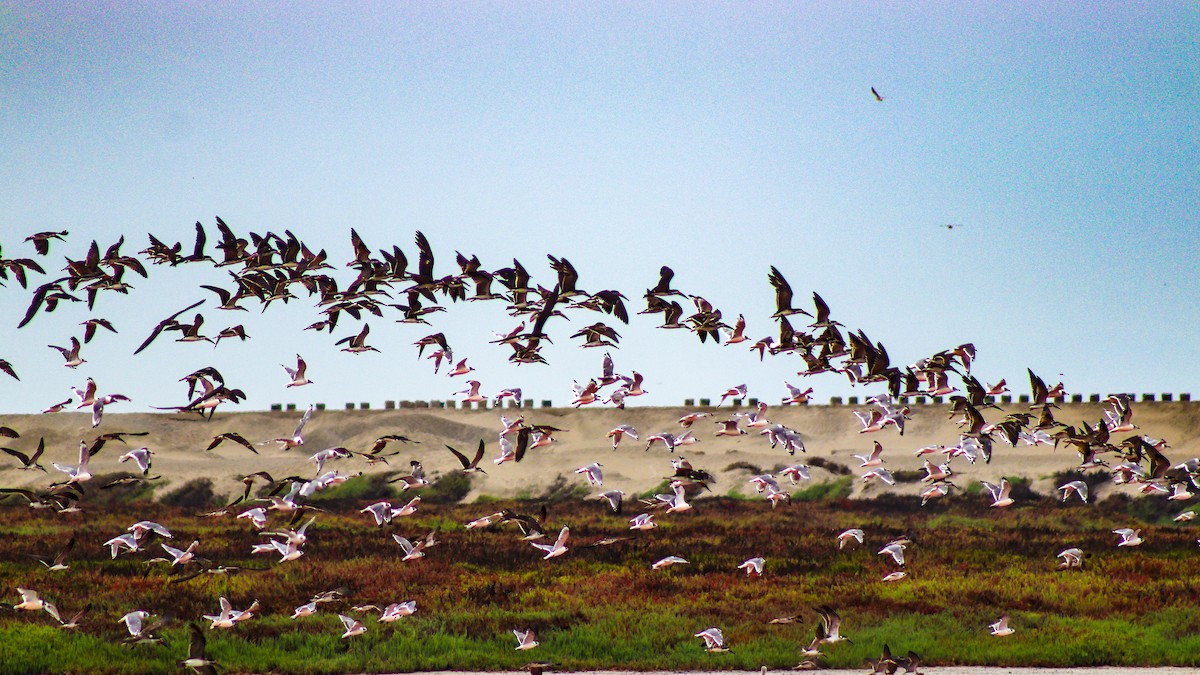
(642, 521)
(526, 639)
(895, 576)
(140, 456)
(796, 472)
(81, 473)
(679, 503)
(593, 473)
(30, 600)
(1129, 536)
(127, 540)
(559, 546)
(297, 437)
(181, 557)
(472, 393)
(297, 374)
(305, 610)
(879, 473)
(1185, 516)
(844, 538)
(1077, 486)
(936, 491)
(714, 640)
(257, 517)
(413, 551)
(896, 550)
(1071, 557)
(613, 497)
(753, 567)
(874, 459)
(353, 626)
(736, 392)
(668, 561)
(1001, 494)
(1001, 627)
(795, 395)
(617, 433)
(328, 455)
(398, 610)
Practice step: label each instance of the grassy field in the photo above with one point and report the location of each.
(603, 607)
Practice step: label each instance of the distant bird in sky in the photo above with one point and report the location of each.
(876, 94)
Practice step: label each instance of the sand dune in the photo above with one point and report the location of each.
(830, 432)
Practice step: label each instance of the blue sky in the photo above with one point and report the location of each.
(719, 139)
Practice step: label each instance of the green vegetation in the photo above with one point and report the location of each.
(603, 607)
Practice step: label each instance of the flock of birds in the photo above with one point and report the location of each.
(270, 268)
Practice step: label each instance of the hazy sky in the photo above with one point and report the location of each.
(1061, 139)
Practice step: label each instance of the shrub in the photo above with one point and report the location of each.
(194, 494)
(839, 488)
(449, 488)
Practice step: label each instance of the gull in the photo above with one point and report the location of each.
(796, 472)
(678, 503)
(593, 473)
(298, 374)
(642, 521)
(328, 455)
(196, 659)
(127, 540)
(828, 630)
(874, 459)
(1001, 627)
(776, 496)
(613, 497)
(297, 438)
(471, 465)
(1129, 537)
(758, 418)
(415, 479)
(57, 407)
(511, 426)
(413, 551)
(1001, 494)
(873, 421)
(305, 610)
(227, 618)
(472, 393)
(559, 546)
(136, 622)
(81, 473)
(484, 521)
(795, 395)
(526, 639)
(879, 473)
(100, 402)
(895, 576)
(59, 562)
(876, 95)
(353, 626)
(667, 440)
(936, 491)
(714, 640)
(398, 610)
(617, 433)
(844, 538)
(668, 561)
(763, 481)
(1185, 516)
(1181, 493)
(896, 550)
(777, 433)
(460, 369)
(753, 566)
(144, 527)
(73, 622)
(736, 392)
(929, 450)
(181, 557)
(73, 359)
(29, 462)
(30, 600)
(357, 344)
(514, 393)
(257, 516)
(691, 418)
(1071, 557)
(140, 456)
(1078, 487)
(730, 428)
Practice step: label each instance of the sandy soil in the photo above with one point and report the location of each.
(828, 431)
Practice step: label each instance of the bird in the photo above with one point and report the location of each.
(829, 629)
(559, 546)
(526, 639)
(28, 462)
(196, 660)
(71, 355)
(353, 626)
(1071, 558)
(876, 95)
(1001, 494)
(469, 465)
(1001, 627)
(1077, 487)
(846, 537)
(753, 566)
(593, 473)
(667, 562)
(714, 640)
(1129, 536)
(298, 375)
